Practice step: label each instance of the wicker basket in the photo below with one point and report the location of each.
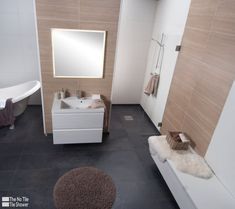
(175, 142)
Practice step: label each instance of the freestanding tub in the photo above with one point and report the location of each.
(20, 95)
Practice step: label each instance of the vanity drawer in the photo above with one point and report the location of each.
(73, 136)
(78, 121)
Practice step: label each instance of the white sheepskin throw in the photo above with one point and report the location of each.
(159, 147)
(191, 163)
(186, 161)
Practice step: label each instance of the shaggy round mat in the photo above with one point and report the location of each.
(84, 188)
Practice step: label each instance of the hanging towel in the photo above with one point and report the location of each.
(6, 114)
(152, 86)
(155, 88)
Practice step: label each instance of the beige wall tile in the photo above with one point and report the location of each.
(174, 114)
(197, 133)
(99, 11)
(75, 14)
(202, 22)
(204, 71)
(47, 11)
(204, 7)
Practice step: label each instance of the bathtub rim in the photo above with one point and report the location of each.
(33, 86)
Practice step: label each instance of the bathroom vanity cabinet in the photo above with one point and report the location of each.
(74, 122)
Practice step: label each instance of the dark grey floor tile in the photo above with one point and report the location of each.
(9, 162)
(68, 160)
(132, 195)
(138, 141)
(12, 136)
(51, 204)
(116, 134)
(40, 178)
(115, 141)
(116, 122)
(139, 127)
(32, 164)
(5, 179)
(140, 195)
(120, 165)
(168, 205)
(80, 147)
(148, 163)
(43, 147)
(10, 148)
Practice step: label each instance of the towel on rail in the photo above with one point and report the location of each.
(152, 86)
(6, 114)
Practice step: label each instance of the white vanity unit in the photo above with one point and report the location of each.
(74, 122)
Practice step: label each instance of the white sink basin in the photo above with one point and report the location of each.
(75, 103)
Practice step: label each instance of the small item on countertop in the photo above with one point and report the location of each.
(176, 137)
(58, 95)
(79, 94)
(97, 103)
(183, 138)
(62, 94)
(95, 96)
(66, 93)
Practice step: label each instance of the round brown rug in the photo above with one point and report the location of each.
(84, 188)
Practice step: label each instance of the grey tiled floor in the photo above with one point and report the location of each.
(30, 164)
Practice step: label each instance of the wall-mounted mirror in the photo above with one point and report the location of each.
(78, 53)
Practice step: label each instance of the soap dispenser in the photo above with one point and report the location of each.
(66, 93)
(62, 94)
(79, 94)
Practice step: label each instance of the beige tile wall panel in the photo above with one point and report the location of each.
(76, 14)
(204, 71)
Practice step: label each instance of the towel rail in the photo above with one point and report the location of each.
(159, 43)
(160, 54)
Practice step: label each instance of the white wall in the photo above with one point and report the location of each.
(220, 153)
(18, 46)
(170, 19)
(134, 34)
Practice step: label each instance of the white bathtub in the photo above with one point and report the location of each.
(20, 95)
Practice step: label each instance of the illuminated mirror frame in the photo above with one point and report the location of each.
(103, 52)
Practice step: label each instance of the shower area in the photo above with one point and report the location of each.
(148, 44)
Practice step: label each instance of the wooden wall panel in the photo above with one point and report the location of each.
(204, 71)
(75, 14)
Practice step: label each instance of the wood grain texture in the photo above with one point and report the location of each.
(76, 14)
(204, 71)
